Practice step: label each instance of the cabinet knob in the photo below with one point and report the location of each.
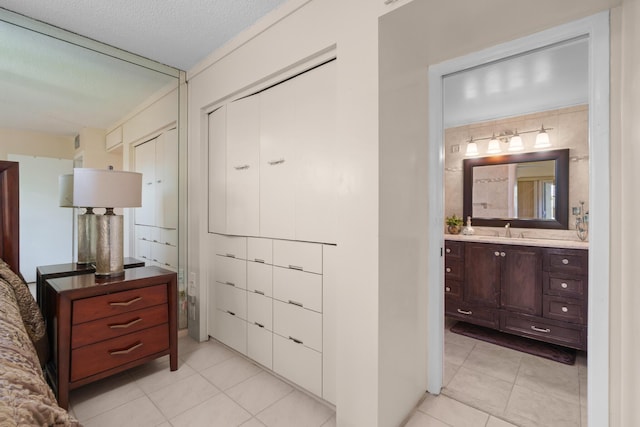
(565, 309)
(448, 289)
(563, 285)
(496, 253)
(502, 254)
(448, 250)
(448, 269)
(565, 261)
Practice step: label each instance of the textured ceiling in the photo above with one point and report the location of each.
(51, 86)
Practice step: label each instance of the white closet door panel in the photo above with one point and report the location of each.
(260, 310)
(231, 246)
(167, 179)
(260, 250)
(243, 152)
(291, 321)
(260, 278)
(230, 271)
(298, 363)
(231, 330)
(231, 299)
(260, 345)
(298, 255)
(277, 161)
(315, 175)
(218, 170)
(145, 158)
(298, 287)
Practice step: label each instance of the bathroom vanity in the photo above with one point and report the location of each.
(534, 288)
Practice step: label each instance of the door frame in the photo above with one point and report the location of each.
(596, 29)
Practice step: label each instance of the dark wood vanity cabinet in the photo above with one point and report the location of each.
(537, 292)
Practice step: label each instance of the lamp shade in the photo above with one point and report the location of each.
(101, 188)
(65, 193)
(542, 139)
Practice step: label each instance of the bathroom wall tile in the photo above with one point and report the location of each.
(140, 412)
(420, 419)
(218, 411)
(230, 372)
(549, 377)
(452, 412)
(480, 391)
(294, 410)
(529, 408)
(182, 395)
(259, 392)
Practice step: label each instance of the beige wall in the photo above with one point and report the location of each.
(13, 141)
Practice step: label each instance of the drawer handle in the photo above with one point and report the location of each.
(167, 243)
(466, 313)
(229, 283)
(126, 303)
(276, 162)
(231, 313)
(565, 309)
(126, 351)
(155, 241)
(535, 328)
(563, 285)
(126, 325)
(565, 261)
(241, 168)
(230, 255)
(295, 340)
(155, 259)
(258, 324)
(299, 304)
(448, 269)
(166, 263)
(502, 254)
(496, 253)
(259, 260)
(258, 292)
(448, 250)
(295, 267)
(448, 289)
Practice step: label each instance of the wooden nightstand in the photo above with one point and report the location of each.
(104, 327)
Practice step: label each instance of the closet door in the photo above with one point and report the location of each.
(217, 171)
(145, 164)
(166, 180)
(243, 188)
(277, 160)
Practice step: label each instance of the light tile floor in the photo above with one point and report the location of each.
(490, 386)
(213, 386)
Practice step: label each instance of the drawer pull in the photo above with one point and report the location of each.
(299, 304)
(230, 283)
(126, 351)
(230, 255)
(258, 324)
(231, 313)
(276, 162)
(295, 267)
(535, 328)
(167, 243)
(155, 259)
(259, 260)
(126, 325)
(565, 261)
(448, 250)
(448, 289)
(496, 253)
(466, 313)
(502, 254)
(565, 309)
(126, 303)
(241, 168)
(295, 340)
(448, 269)
(258, 292)
(563, 285)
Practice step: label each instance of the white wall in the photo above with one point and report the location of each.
(35, 144)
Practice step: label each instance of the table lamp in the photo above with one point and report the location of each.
(86, 221)
(108, 189)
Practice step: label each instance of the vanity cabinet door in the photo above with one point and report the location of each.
(482, 274)
(521, 279)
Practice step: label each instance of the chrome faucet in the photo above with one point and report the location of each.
(507, 228)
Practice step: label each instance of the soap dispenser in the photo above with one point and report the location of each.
(468, 230)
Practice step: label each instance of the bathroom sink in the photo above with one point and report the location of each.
(516, 239)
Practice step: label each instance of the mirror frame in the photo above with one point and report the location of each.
(561, 158)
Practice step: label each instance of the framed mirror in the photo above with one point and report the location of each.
(529, 190)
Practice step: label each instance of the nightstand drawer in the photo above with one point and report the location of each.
(89, 309)
(92, 359)
(115, 326)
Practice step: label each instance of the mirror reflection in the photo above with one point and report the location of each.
(515, 190)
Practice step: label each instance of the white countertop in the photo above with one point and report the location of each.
(547, 243)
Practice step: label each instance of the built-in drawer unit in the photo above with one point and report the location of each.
(298, 363)
(230, 246)
(548, 330)
(483, 316)
(260, 278)
(301, 325)
(230, 271)
(298, 287)
(260, 310)
(260, 345)
(231, 330)
(301, 256)
(260, 250)
(566, 309)
(232, 300)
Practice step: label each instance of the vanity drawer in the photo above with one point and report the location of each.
(565, 309)
(453, 288)
(565, 285)
(231, 271)
(89, 309)
(453, 249)
(453, 269)
(566, 261)
(472, 314)
(568, 335)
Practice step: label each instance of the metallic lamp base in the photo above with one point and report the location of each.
(87, 237)
(109, 258)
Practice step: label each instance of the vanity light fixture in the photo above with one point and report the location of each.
(513, 138)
